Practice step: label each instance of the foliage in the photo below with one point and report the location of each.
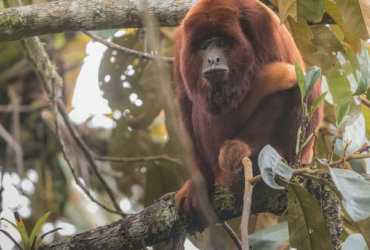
(29, 242)
(331, 36)
(307, 225)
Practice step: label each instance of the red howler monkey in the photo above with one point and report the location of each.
(237, 89)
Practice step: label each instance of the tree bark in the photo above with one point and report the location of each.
(84, 15)
(161, 221)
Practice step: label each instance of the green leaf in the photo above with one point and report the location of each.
(270, 164)
(353, 17)
(11, 223)
(363, 76)
(342, 114)
(22, 230)
(355, 193)
(37, 227)
(355, 241)
(307, 225)
(310, 10)
(270, 238)
(312, 76)
(301, 10)
(303, 37)
(301, 79)
(315, 104)
(364, 227)
(333, 11)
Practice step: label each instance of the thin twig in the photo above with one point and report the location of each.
(247, 202)
(9, 139)
(17, 69)
(232, 234)
(135, 53)
(89, 155)
(48, 77)
(137, 159)
(356, 155)
(365, 101)
(329, 131)
(22, 108)
(2, 172)
(15, 100)
(314, 147)
(12, 239)
(253, 181)
(331, 154)
(77, 180)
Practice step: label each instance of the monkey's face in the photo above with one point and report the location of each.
(215, 67)
(217, 60)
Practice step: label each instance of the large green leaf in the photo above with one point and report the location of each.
(310, 10)
(301, 79)
(333, 11)
(355, 192)
(364, 227)
(307, 225)
(270, 238)
(303, 38)
(365, 8)
(287, 8)
(353, 17)
(271, 164)
(327, 45)
(22, 230)
(341, 92)
(312, 76)
(38, 226)
(317, 102)
(302, 10)
(342, 114)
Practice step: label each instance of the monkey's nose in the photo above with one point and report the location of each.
(214, 61)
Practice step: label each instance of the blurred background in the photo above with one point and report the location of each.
(112, 99)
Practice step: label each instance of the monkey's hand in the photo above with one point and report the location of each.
(230, 174)
(185, 197)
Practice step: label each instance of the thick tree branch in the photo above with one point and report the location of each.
(85, 15)
(161, 221)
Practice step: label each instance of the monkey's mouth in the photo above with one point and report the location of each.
(215, 75)
(215, 70)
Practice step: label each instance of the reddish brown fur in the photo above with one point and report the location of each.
(258, 105)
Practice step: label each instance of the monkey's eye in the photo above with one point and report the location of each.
(223, 44)
(202, 47)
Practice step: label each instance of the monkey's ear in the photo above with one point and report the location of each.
(270, 40)
(259, 25)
